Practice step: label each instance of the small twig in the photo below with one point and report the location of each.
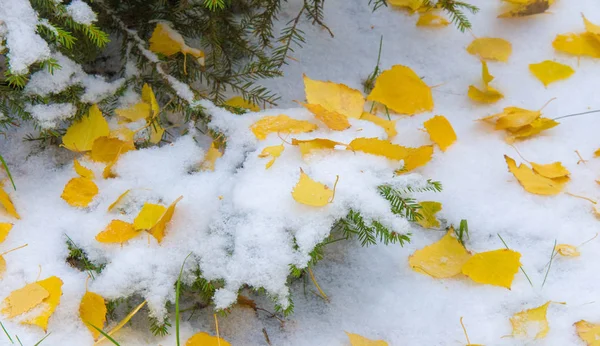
(582, 197)
(217, 328)
(312, 277)
(465, 331)
(576, 114)
(266, 336)
(550, 264)
(337, 178)
(11, 250)
(520, 267)
(581, 160)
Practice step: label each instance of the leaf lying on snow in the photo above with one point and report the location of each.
(92, 310)
(497, 267)
(584, 44)
(529, 8)
(310, 192)
(205, 339)
(388, 125)
(567, 250)
(442, 259)
(491, 48)
(310, 145)
(534, 182)
(280, 123)
(117, 231)
(432, 20)
(333, 120)
(334, 97)
(440, 131)
(531, 320)
(7, 203)
(79, 192)
(80, 136)
(274, 152)
(488, 94)
(588, 332)
(550, 71)
(359, 340)
(428, 211)
(5, 228)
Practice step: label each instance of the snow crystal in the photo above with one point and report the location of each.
(48, 116)
(81, 12)
(24, 44)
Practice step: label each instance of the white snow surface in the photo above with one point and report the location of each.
(81, 12)
(372, 291)
(48, 116)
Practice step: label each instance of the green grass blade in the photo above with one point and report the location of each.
(550, 263)
(39, 342)
(105, 335)
(19, 340)
(7, 335)
(177, 289)
(8, 172)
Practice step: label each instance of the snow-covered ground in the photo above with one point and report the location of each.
(372, 291)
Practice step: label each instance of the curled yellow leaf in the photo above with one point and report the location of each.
(80, 136)
(496, 267)
(567, 250)
(118, 200)
(280, 123)
(274, 152)
(488, 95)
(537, 126)
(442, 259)
(531, 181)
(515, 117)
(210, 158)
(82, 171)
(158, 230)
(310, 192)
(79, 192)
(402, 90)
(165, 40)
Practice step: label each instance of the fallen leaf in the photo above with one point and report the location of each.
(310, 145)
(205, 339)
(122, 323)
(491, 48)
(588, 332)
(432, 20)
(442, 259)
(567, 250)
(489, 95)
(412, 5)
(8, 204)
(274, 152)
(417, 157)
(334, 97)
(79, 192)
(586, 44)
(388, 125)
(531, 320)
(148, 216)
(496, 267)
(239, 102)
(123, 133)
(310, 192)
(135, 112)
(83, 171)
(440, 131)
(5, 228)
(149, 98)
(550, 71)
(53, 285)
(92, 310)
(530, 8)
(106, 149)
(380, 147)
(591, 27)
(359, 340)
(402, 90)
(537, 126)
(118, 200)
(210, 158)
(108, 172)
(24, 299)
(333, 120)
(531, 181)
(167, 41)
(117, 231)
(156, 133)
(515, 117)
(428, 211)
(550, 170)
(80, 136)
(2, 266)
(280, 123)
(158, 230)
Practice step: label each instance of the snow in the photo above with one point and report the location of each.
(238, 220)
(48, 116)
(81, 12)
(25, 45)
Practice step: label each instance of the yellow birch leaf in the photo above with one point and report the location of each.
(149, 98)
(417, 157)
(428, 211)
(310, 192)
(280, 123)
(334, 97)
(530, 8)
(332, 120)
(402, 90)
(107, 172)
(388, 125)
(550, 170)
(489, 95)
(156, 133)
(531, 181)
(597, 153)
(81, 135)
(122, 323)
(239, 102)
(205, 339)
(117, 231)
(550, 71)
(567, 250)
(148, 216)
(531, 320)
(53, 285)
(5, 228)
(107, 149)
(413, 5)
(485, 74)
(8, 204)
(2, 266)
(591, 27)
(165, 40)
(307, 146)
(79, 192)
(586, 44)
(588, 332)
(432, 20)
(380, 147)
(83, 171)
(491, 48)
(158, 230)
(537, 126)
(359, 340)
(118, 200)
(210, 158)
(92, 310)
(514, 117)
(496, 267)
(136, 112)
(442, 259)
(24, 299)
(440, 131)
(274, 152)
(123, 134)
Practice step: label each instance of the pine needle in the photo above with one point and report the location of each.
(550, 263)
(121, 324)
(520, 267)
(5, 332)
(44, 338)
